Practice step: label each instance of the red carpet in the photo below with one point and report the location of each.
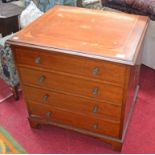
(4, 91)
(49, 139)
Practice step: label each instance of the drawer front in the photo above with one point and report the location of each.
(73, 103)
(92, 68)
(75, 120)
(77, 86)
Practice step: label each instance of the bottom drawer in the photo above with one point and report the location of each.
(110, 128)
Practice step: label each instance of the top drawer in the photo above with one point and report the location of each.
(82, 66)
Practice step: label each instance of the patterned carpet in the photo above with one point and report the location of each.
(8, 145)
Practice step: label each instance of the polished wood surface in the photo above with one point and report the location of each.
(100, 125)
(74, 103)
(81, 66)
(80, 87)
(74, 85)
(100, 34)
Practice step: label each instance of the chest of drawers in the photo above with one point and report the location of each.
(79, 69)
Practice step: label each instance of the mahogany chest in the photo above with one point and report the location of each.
(79, 69)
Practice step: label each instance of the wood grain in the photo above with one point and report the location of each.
(79, 69)
(75, 120)
(63, 83)
(73, 103)
(92, 33)
(52, 60)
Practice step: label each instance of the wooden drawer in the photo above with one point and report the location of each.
(77, 65)
(77, 86)
(49, 113)
(73, 103)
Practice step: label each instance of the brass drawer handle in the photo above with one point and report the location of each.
(49, 114)
(95, 91)
(95, 109)
(94, 126)
(41, 79)
(95, 71)
(45, 98)
(37, 60)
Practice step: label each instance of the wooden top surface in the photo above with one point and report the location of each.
(91, 33)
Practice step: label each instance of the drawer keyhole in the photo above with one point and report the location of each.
(95, 91)
(94, 126)
(95, 71)
(95, 109)
(45, 98)
(37, 60)
(41, 79)
(49, 114)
